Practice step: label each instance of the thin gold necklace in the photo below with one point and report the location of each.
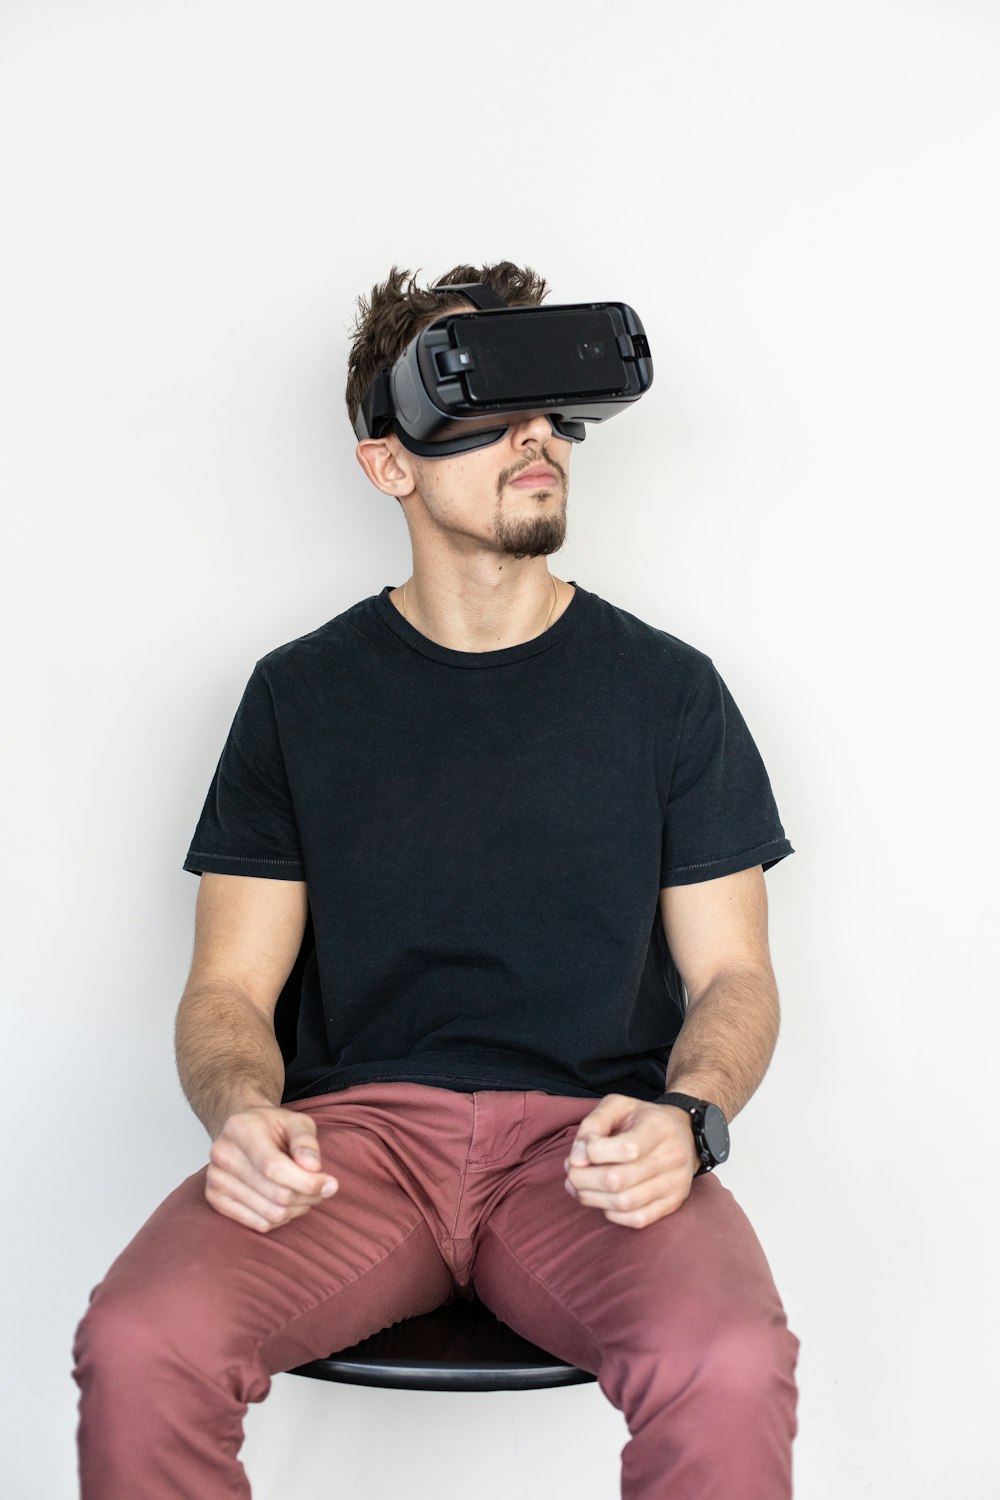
(555, 601)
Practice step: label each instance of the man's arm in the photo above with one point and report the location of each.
(637, 1162)
(247, 937)
(716, 931)
(264, 1164)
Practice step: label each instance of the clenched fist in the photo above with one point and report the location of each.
(264, 1168)
(636, 1160)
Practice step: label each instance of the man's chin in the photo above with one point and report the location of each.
(534, 545)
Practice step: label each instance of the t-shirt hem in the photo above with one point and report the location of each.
(466, 1083)
(199, 862)
(761, 854)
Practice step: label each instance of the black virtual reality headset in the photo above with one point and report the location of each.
(467, 377)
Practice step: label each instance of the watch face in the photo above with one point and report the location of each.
(716, 1132)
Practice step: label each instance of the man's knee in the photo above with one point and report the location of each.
(121, 1333)
(139, 1336)
(748, 1365)
(746, 1360)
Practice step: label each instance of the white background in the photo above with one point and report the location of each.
(800, 201)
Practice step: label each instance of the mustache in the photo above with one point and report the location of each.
(529, 463)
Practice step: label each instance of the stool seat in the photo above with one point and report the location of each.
(461, 1346)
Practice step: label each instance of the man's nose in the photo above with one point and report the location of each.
(534, 429)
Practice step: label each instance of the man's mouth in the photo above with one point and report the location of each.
(539, 477)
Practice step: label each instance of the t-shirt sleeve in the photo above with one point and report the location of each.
(721, 814)
(247, 825)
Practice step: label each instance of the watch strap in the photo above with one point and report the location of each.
(686, 1101)
(690, 1103)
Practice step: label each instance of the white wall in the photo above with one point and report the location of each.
(800, 200)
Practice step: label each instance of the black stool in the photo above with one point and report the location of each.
(462, 1346)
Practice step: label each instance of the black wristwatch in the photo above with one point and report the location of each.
(711, 1133)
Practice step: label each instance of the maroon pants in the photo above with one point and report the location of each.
(440, 1192)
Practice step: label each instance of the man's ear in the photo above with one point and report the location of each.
(380, 459)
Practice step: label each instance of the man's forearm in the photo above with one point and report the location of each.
(228, 1057)
(727, 1040)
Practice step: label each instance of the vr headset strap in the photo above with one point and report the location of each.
(376, 405)
(476, 292)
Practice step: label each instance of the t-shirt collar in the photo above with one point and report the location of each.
(567, 621)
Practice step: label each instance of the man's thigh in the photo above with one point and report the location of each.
(582, 1287)
(217, 1291)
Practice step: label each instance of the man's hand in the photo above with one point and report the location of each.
(636, 1160)
(264, 1168)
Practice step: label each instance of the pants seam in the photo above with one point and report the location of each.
(570, 1313)
(329, 1296)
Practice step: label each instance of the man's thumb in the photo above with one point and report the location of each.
(589, 1129)
(592, 1127)
(304, 1148)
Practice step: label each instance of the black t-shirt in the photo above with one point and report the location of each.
(484, 836)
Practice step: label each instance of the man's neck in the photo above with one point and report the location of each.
(470, 618)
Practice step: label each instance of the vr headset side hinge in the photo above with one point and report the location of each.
(633, 346)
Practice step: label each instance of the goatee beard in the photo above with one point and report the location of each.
(537, 536)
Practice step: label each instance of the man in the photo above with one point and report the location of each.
(489, 824)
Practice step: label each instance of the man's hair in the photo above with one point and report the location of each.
(395, 313)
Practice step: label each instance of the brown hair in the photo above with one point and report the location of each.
(395, 313)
